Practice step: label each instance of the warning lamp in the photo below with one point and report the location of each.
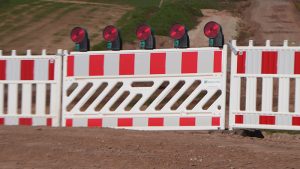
(213, 31)
(80, 37)
(145, 34)
(179, 34)
(113, 38)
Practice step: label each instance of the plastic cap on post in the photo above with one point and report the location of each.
(77, 34)
(110, 33)
(143, 32)
(211, 29)
(177, 31)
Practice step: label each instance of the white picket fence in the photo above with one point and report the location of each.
(30, 89)
(163, 89)
(265, 87)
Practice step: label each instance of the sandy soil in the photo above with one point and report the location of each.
(274, 20)
(24, 147)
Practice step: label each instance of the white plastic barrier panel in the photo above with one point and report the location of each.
(163, 89)
(265, 87)
(30, 89)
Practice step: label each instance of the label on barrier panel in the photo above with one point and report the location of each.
(212, 82)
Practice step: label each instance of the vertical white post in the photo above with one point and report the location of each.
(224, 84)
(251, 94)
(55, 91)
(268, 43)
(41, 99)
(27, 96)
(12, 95)
(285, 43)
(267, 94)
(283, 95)
(297, 95)
(235, 90)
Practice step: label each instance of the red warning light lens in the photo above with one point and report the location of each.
(177, 31)
(77, 34)
(143, 32)
(211, 29)
(110, 33)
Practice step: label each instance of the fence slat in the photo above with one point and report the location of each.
(40, 99)
(12, 99)
(26, 99)
(267, 94)
(297, 95)
(283, 95)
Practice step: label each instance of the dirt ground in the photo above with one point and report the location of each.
(274, 20)
(24, 147)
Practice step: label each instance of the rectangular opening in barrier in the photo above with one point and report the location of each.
(275, 95)
(259, 94)
(243, 87)
(292, 94)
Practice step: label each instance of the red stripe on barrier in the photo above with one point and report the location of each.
(239, 119)
(125, 122)
(96, 65)
(70, 66)
(27, 69)
(126, 66)
(49, 122)
(217, 61)
(1, 121)
(215, 121)
(94, 122)
(25, 121)
(51, 66)
(156, 122)
(297, 63)
(296, 121)
(69, 122)
(189, 62)
(2, 69)
(270, 120)
(241, 63)
(269, 62)
(158, 63)
(187, 121)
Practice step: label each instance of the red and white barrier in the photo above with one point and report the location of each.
(266, 79)
(99, 89)
(30, 88)
(146, 122)
(144, 63)
(164, 89)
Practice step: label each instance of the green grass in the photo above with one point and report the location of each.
(160, 19)
(144, 11)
